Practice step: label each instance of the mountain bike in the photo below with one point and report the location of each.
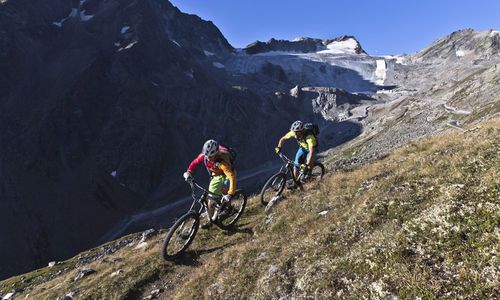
(225, 215)
(275, 185)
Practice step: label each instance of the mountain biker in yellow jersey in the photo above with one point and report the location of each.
(217, 160)
(307, 146)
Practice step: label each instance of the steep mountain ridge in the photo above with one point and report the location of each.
(63, 84)
(97, 99)
(100, 101)
(462, 44)
(306, 45)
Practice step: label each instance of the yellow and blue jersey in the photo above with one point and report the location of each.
(305, 141)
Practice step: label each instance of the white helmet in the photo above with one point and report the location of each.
(297, 126)
(210, 148)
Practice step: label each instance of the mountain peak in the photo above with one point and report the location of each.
(344, 44)
(339, 45)
(301, 45)
(467, 42)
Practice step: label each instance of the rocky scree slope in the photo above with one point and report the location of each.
(422, 222)
(434, 89)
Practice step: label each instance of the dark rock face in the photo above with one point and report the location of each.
(274, 72)
(102, 106)
(304, 45)
(87, 88)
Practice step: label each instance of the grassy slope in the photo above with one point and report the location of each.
(423, 222)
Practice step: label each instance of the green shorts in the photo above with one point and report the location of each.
(218, 184)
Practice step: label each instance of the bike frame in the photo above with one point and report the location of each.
(288, 168)
(201, 200)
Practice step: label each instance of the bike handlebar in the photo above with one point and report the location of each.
(289, 161)
(194, 185)
(286, 159)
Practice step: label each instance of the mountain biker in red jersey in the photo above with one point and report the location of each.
(218, 163)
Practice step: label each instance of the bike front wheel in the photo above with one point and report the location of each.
(180, 235)
(232, 210)
(272, 188)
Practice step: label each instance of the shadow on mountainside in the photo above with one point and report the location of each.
(256, 157)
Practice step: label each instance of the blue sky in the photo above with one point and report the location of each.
(382, 27)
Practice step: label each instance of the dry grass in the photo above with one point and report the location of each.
(421, 223)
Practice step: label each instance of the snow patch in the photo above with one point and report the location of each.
(131, 45)
(3, 1)
(175, 42)
(460, 53)
(117, 44)
(299, 39)
(381, 71)
(208, 53)
(400, 59)
(341, 47)
(72, 14)
(128, 46)
(113, 173)
(82, 2)
(124, 29)
(456, 111)
(85, 17)
(154, 83)
(218, 65)
(494, 32)
(189, 74)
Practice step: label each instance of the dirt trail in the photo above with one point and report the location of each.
(207, 243)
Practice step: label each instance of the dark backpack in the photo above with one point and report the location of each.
(230, 152)
(311, 128)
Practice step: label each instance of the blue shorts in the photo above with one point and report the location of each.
(301, 156)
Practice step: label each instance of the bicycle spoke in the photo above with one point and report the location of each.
(232, 210)
(273, 187)
(180, 236)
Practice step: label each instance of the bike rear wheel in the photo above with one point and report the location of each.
(272, 188)
(180, 235)
(233, 209)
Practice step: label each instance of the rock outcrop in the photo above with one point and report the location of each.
(301, 45)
